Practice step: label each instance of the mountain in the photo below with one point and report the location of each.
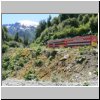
(23, 28)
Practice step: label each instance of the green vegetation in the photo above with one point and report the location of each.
(13, 44)
(96, 72)
(19, 55)
(4, 34)
(4, 48)
(80, 59)
(4, 75)
(54, 78)
(86, 84)
(66, 26)
(16, 38)
(63, 26)
(30, 76)
(26, 42)
(38, 51)
(38, 63)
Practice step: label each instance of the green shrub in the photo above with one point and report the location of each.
(11, 67)
(85, 19)
(18, 64)
(5, 62)
(30, 76)
(94, 24)
(21, 62)
(38, 63)
(5, 65)
(53, 53)
(4, 48)
(54, 78)
(94, 52)
(16, 68)
(4, 75)
(96, 72)
(38, 51)
(25, 60)
(13, 44)
(51, 57)
(86, 84)
(81, 52)
(6, 58)
(47, 53)
(83, 30)
(71, 22)
(80, 59)
(17, 57)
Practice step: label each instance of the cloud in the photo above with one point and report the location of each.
(28, 23)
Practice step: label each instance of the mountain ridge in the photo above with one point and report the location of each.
(23, 30)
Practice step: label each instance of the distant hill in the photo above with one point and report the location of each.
(22, 29)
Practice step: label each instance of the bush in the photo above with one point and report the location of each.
(6, 58)
(86, 84)
(80, 59)
(30, 76)
(17, 57)
(47, 53)
(4, 75)
(53, 53)
(81, 52)
(38, 63)
(17, 64)
(21, 62)
(71, 32)
(51, 57)
(5, 65)
(17, 68)
(83, 30)
(4, 48)
(13, 44)
(94, 52)
(94, 24)
(54, 78)
(38, 51)
(11, 67)
(85, 19)
(5, 62)
(71, 21)
(96, 72)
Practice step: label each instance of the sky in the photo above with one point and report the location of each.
(25, 18)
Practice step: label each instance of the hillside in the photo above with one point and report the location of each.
(78, 65)
(27, 60)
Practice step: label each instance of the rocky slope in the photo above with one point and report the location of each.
(63, 66)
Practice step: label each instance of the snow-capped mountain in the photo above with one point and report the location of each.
(24, 27)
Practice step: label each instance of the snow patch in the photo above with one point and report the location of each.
(28, 23)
